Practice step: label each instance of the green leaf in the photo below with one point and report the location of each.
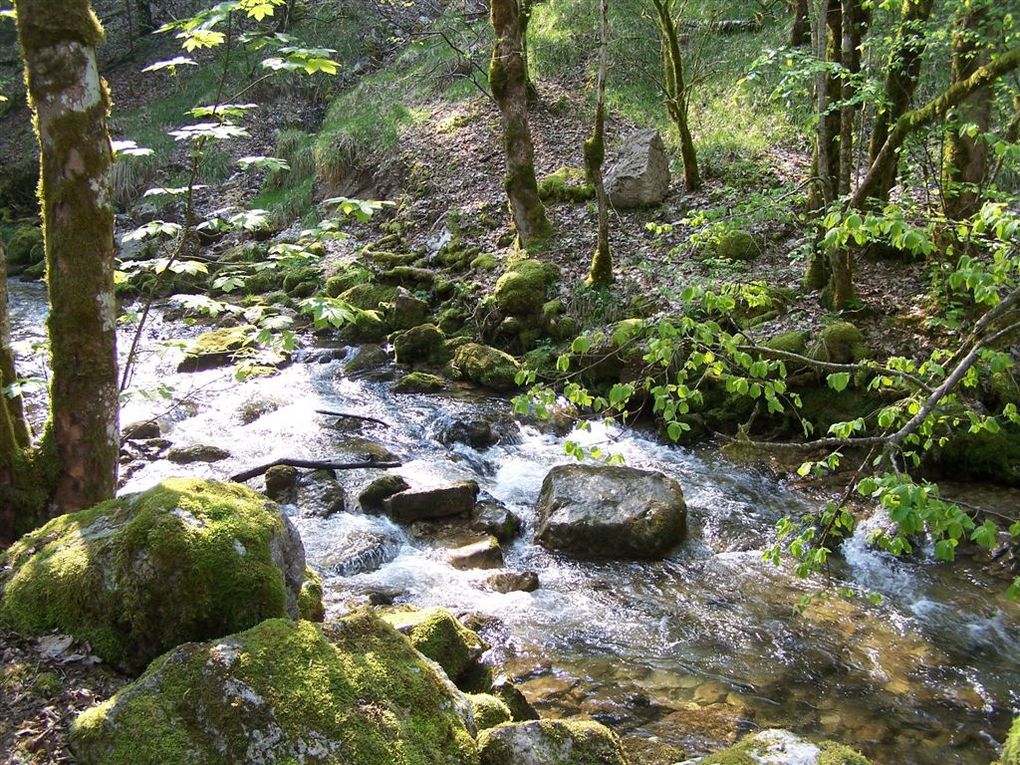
(838, 381)
(171, 64)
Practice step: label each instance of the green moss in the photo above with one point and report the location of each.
(438, 635)
(309, 602)
(488, 711)
(736, 244)
(751, 749)
(424, 343)
(794, 341)
(266, 280)
(371, 497)
(408, 276)
(135, 576)
(26, 247)
(485, 262)
(1011, 749)
(522, 290)
(295, 279)
(566, 185)
(419, 382)
(287, 692)
(211, 349)
(841, 342)
(558, 742)
(350, 276)
(368, 297)
(839, 754)
(47, 685)
(486, 366)
(366, 327)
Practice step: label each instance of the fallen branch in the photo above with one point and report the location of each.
(311, 465)
(353, 417)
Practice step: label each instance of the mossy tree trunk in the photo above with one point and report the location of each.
(527, 7)
(800, 32)
(965, 163)
(601, 272)
(902, 73)
(70, 104)
(509, 87)
(675, 89)
(856, 19)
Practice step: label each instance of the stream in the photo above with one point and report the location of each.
(688, 651)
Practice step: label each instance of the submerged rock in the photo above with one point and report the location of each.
(780, 747)
(361, 551)
(618, 512)
(513, 581)
(185, 455)
(135, 576)
(484, 554)
(352, 691)
(639, 176)
(421, 504)
(550, 742)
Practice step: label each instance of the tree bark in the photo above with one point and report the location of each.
(856, 20)
(800, 32)
(527, 6)
(965, 163)
(509, 87)
(675, 91)
(601, 272)
(70, 104)
(902, 73)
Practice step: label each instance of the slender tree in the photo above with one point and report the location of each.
(509, 87)
(675, 90)
(70, 104)
(800, 32)
(601, 272)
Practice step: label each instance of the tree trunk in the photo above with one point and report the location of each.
(601, 272)
(966, 157)
(675, 91)
(527, 6)
(855, 23)
(800, 33)
(507, 80)
(70, 104)
(902, 73)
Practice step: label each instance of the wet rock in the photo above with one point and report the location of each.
(405, 310)
(419, 382)
(257, 407)
(513, 581)
(421, 344)
(320, 355)
(185, 560)
(185, 455)
(780, 747)
(421, 504)
(369, 360)
(516, 702)
(141, 430)
(437, 634)
(366, 450)
(360, 551)
(261, 696)
(618, 512)
(371, 497)
(478, 432)
(319, 494)
(383, 596)
(214, 349)
(484, 554)
(486, 366)
(639, 176)
(495, 518)
(280, 482)
(711, 692)
(550, 742)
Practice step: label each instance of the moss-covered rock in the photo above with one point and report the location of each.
(368, 297)
(353, 691)
(405, 310)
(419, 382)
(438, 635)
(347, 277)
(135, 576)
(1011, 749)
(519, 706)
(369, 358)
(737, 244)
(409, 276)
(26, 247)
(794, 341)
(371, 497)
(486, 366)
(309, 601)
(550, 742)
(780, 747)
(841, 343)
(215, 348)
(365, 327)
(488, 711)
(523, 289)
(568, 184)
(485, 262)
(421, 344)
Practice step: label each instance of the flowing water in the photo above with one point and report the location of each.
(686, 651)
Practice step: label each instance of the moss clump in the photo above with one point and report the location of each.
(523, 288)
(371, 497)
(737, 244)
(558, 742)
(350, 276)
(215, 348)
(26, 247)
(264, 281)
(409, 276)
(424, 343)
(488, 711)
(1011, 749)
(419, 382)
(438, 635)
(135, 576)
(841, 343)
(485, 262)
(794, 341)
(566, 185)
(368, 297)
(486, 366)
(286, 692)
(775, 745)
(365, 327)
(309, 601)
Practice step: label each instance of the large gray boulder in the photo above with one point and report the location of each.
(639, 176)
(616, 512)
(550, 742)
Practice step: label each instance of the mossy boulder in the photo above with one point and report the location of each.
(368, 297)
(353, 691)
(405, 310)
(841, 343)
(523, 289)
(371, 497)
(409, 276)
(488, 711)
(439, 636)
(348, 277)
(780, 747)
(568, 184)
(419, 382)
(215, 348)
(135, 576)
(550, 742)
(421, 344)
(26, 247)
(794, 341)
(485, 262)
(365, 327)
(486, 366)
(737, 244)
(309, 601)
(1011, 749)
